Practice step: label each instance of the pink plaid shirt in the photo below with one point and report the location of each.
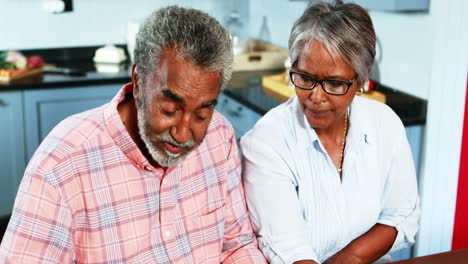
(90, 196)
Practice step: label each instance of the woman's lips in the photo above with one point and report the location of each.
(317, 111)
(172, 148)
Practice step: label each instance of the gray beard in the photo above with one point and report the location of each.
(164, 158)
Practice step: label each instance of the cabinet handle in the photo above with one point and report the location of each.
(2, 103)
(233, 113)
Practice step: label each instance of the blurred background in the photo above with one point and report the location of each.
(420, 72)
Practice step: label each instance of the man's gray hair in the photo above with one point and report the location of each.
(345, 30)
(197, 37)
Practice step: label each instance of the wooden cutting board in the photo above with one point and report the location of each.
(260, 56)
(277, 87)
(8, 76)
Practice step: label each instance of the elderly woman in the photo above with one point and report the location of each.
(329, 176)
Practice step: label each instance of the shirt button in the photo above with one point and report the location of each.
(167, 233)
(138, 166)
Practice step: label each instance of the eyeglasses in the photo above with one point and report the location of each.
(307, 82)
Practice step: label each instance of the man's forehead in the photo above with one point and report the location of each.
(181, 80)
(180, 98)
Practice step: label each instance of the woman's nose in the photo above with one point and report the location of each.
(318, 94)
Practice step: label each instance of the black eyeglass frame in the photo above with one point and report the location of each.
(348, 83)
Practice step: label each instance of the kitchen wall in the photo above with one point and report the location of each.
(25, 25)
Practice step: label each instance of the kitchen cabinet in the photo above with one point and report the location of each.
(45, 108)
(415, 134)
(27, 116)
(13, 160)
(241, 117)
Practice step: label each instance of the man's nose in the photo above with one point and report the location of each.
(181, 131)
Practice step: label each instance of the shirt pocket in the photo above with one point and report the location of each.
(211, 207)
(206, 233)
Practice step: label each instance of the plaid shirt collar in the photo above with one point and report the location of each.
(120, 134)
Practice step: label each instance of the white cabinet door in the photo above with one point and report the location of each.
(12, 150)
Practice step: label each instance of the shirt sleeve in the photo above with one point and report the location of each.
(239, 241)
(40, 226)
(276, 213)
(400, 200)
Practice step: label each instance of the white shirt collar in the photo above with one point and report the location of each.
(360, 131)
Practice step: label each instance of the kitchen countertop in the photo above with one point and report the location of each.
(410, 109)
(76, 58)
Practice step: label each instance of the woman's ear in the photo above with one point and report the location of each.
(369, 69)
(135, 78)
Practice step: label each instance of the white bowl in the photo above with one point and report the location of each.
(110, 54)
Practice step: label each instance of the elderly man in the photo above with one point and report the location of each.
(151, 177)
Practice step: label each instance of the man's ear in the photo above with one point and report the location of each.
(135, 78)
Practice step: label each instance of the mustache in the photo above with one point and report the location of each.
(167, 137)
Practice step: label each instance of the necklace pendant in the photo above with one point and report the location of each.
(339, 170)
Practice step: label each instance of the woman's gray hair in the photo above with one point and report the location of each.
(197, 37)
(346, 31)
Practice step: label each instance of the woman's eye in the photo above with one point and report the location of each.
(335, 84)
(305, 79)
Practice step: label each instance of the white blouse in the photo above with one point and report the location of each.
(300, 209)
